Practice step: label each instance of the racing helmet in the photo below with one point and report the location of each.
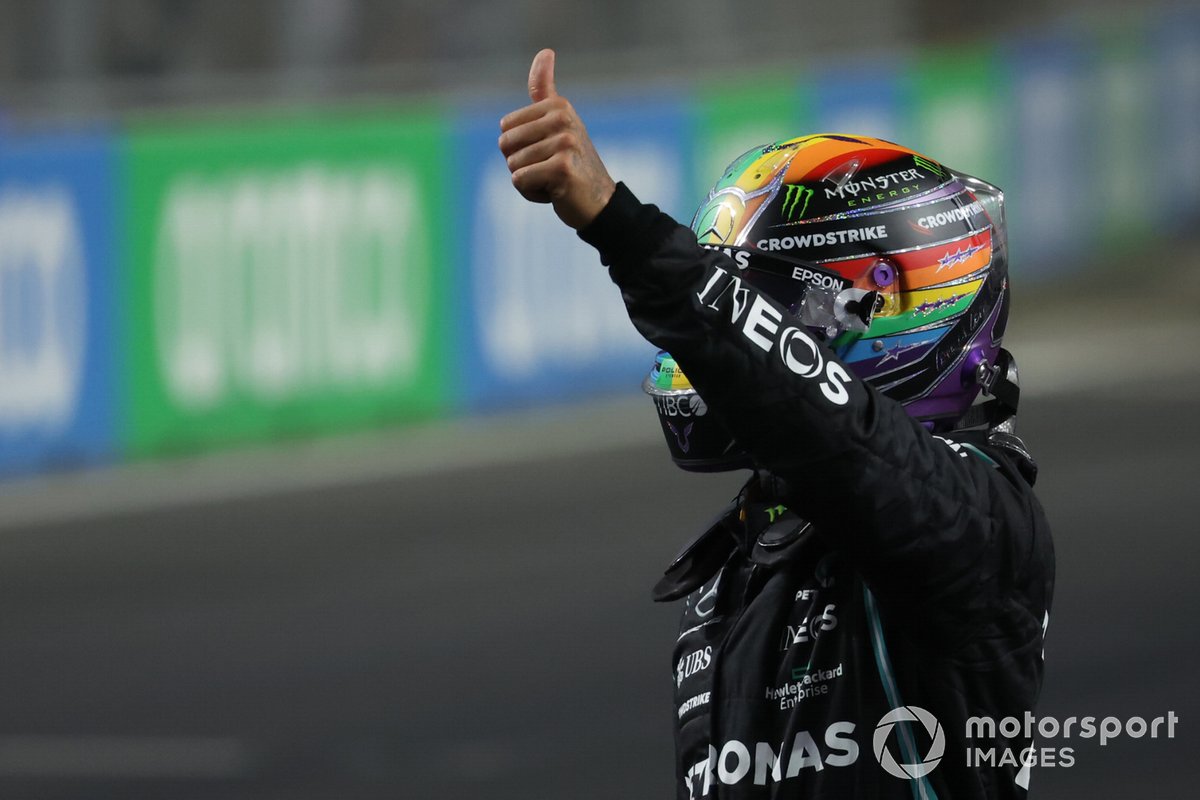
(896, 262)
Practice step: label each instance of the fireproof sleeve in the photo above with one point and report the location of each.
(935, 527)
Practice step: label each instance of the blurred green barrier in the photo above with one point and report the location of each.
(282, 277)
(957, 98)
(733, 115)
(1124, 108)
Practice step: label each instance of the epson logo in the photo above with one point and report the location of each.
(818, 278)
(797, 349)
(734, 763)
(824, 239)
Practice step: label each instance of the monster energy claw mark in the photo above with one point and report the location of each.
(936, 169)
(795, 194)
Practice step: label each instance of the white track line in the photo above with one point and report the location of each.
(116, 757)
(1054, 359)
(437, 448)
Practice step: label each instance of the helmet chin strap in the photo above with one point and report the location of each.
(1000, 382)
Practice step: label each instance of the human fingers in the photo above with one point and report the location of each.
(531, 112)
(550, 123)
(543, 149)
(543, 181)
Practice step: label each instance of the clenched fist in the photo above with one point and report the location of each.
(549, 154)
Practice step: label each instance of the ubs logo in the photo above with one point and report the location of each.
(689, 665)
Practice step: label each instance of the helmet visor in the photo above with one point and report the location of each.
(991, 197)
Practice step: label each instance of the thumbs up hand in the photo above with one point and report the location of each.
(549, 154)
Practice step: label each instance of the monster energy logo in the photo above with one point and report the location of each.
(796, 193)
(936, 169)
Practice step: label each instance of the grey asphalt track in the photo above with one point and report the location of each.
(487, 631)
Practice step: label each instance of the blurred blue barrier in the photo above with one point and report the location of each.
(861, 99)
(541, 319)
(58, 203)
(1052, 188)
(1174, 149)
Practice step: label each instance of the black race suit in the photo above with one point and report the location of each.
(906, 569)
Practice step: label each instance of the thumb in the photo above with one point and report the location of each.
(541, 76)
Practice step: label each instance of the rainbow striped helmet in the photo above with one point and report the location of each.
(897, 262)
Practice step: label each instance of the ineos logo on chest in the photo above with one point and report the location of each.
(810, 628)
